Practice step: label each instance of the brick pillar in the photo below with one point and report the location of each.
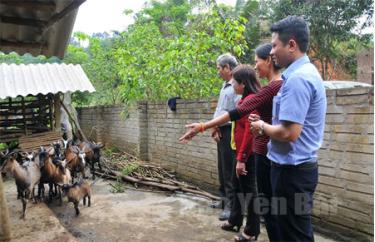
(143, 130)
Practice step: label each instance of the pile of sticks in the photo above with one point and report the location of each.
(128, 168)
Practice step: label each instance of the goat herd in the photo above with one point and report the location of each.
(57, 166)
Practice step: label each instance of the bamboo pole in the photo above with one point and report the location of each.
(5, 234)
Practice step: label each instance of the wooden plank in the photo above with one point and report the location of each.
(31, 5)
(37, 23)
(17, 44)
(31, 142)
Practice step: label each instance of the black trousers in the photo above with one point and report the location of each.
(226, 165)
(244, 201)
(263, 168)
(293, 188)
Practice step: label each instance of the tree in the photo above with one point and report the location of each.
(98, 61)
(182, 63)
(331, 22)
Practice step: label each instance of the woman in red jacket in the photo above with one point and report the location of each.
(246, 84)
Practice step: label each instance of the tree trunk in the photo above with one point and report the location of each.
(5, 234)
(323, 69)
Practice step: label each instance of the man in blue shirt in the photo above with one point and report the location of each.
(297, 130)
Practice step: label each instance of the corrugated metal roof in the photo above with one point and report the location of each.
(37, 27)
(32, 79)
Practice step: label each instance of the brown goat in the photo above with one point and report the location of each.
(52, 173)
(75, 160)
(76, 192)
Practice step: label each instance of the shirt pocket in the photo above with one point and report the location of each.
(276, 107)
(227, 103)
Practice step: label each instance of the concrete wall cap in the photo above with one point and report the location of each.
(345, 84)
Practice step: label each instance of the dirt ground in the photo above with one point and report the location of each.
(130, 216)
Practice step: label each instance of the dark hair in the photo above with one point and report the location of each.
(246, 75)
(293, 27)
(263, 52)
(227, 59)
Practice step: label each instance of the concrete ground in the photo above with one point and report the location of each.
(130, 216)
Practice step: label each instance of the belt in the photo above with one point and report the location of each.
(305, 165)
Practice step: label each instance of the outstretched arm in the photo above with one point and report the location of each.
(195, 128)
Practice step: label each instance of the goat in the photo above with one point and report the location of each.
(3, 156)
(57, 148)
(75, 160)
(76, 192)
(26, 178)
(92, 151)
(52, 174)
(28, 157)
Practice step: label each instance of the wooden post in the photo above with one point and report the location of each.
(50, 113)
(5, 234)
(24, 115)
(57, 109)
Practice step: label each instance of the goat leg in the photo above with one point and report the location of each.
(84, 201)
(76, 207)
(89, 202)
(92, 170)
(60, 196)
(83, 173)
(33, 195)
(73, 175)
(23, 199)
(50, 192)
(40, 191)
(100, 166)
(18, 193)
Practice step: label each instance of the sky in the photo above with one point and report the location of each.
(98, 15)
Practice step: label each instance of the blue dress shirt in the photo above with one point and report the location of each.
(302, 100)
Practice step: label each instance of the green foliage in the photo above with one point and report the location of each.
(3, 146)
(118, 187)
(109, 151)
(332, 22)
(14, 58)
(349, 50)
(129, 168)
(170, 16)
(170, 50)
(157, 67)
(99, 64)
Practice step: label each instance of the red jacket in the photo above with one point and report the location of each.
(243, 137)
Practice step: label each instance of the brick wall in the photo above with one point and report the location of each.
(344, 196)
(195, 162)
(109, 125)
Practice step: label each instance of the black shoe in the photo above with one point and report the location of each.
(224, 215)
(232, 228)
(217, 204)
